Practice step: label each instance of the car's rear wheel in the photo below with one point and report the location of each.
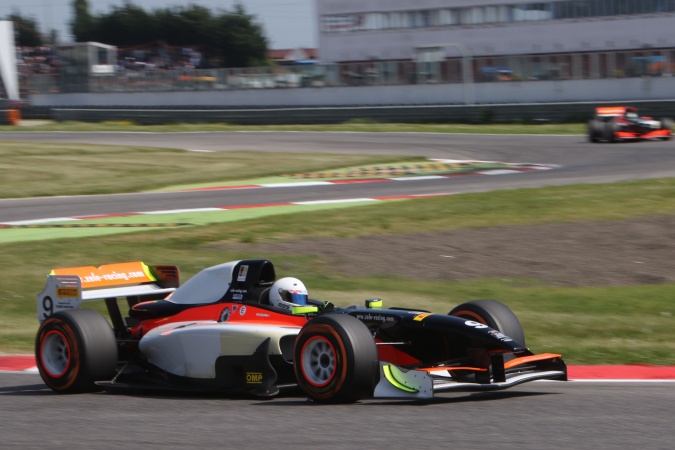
(667, 124)
(595, 130)
(74, 349)
(335, 359)
(493, 314)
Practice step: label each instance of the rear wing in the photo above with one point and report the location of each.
(67, 288)
(614, 110)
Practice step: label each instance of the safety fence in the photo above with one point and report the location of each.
(559, 66)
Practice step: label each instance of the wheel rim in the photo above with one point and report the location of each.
(55, 354)
(470, 315)
(318, 361)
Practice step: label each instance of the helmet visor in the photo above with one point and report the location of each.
(295, 298)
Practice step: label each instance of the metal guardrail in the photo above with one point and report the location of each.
(498, 113)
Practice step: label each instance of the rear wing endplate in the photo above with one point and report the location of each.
(67, 288)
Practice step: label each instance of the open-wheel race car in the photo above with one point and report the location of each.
(235, 328)
(617, 123)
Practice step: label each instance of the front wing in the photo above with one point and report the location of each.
(663, 133)
(421, 384)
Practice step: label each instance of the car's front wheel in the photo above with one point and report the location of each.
(74, 349)
(493, 314)
(611, 127)
(335, 359)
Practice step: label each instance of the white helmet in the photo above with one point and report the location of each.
(286, 293)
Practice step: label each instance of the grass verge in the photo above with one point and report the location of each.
(589, 325)
(48, 169)
(352, 126)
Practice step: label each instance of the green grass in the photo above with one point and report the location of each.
(353, 126)
(628, 324)
(30, 170)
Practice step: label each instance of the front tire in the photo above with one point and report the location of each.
(611, 127)
(335, 359)
(493, 314)
(74, 349)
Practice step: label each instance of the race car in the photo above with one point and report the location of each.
(235, 328)
(617, 123)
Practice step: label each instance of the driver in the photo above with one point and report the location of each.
(632, 116)
(286, 293)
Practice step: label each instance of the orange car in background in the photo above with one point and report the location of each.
(617, 123)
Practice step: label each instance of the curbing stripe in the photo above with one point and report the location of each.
(600, 373)
(37, 222)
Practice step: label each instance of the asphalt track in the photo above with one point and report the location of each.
(578, 161)
(541, 415)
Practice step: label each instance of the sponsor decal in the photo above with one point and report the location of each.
(109, 274)
(243, 271)
(254, 377)
(477, 325)
(234, 308)
(421, 317)
(502, 337)
(238, 294)
(242, 311)
(67, 292)
(224, 315)
(262, 315)
(376, 318)
(49, 306)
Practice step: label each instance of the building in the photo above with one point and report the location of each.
(397, 52)
(403, 30)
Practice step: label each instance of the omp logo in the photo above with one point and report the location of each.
(66, 292)
(254, 377)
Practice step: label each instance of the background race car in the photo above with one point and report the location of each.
(229, 330)
(616, 123)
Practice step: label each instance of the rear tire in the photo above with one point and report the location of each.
(595, 129)
(667, 124)
(493, 314)
(74, 349)
(335, 359)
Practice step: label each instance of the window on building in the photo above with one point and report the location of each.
(517, 12)
(448, 17)
(471, 16)
(490, 14)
